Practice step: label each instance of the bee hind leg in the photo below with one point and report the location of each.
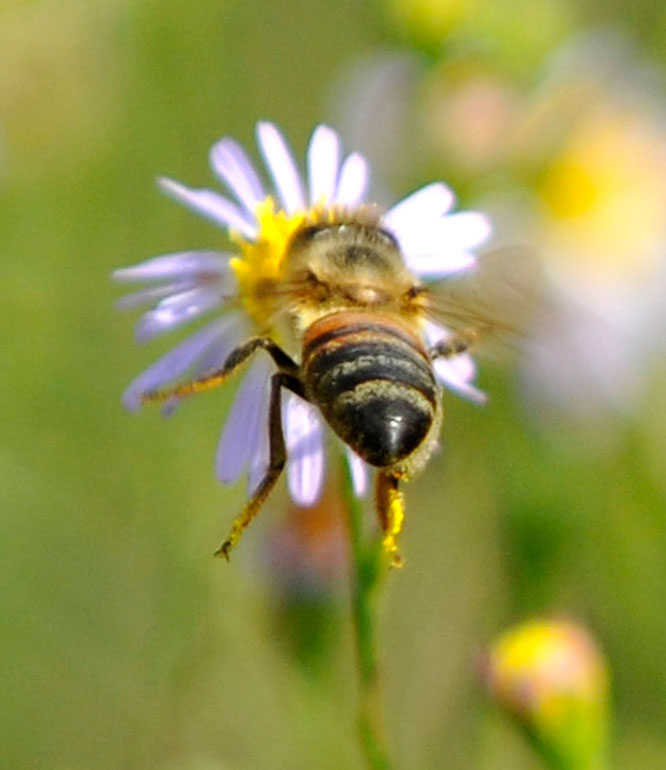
(390, 503)
(237, 357)
(451, 346)
(276, 463)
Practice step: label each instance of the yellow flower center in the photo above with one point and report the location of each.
(260, 261)
(606, 197)
(259, 266)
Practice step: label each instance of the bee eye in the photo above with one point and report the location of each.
(415, 291)
(304, 236)
(308, 233)
(388, 238)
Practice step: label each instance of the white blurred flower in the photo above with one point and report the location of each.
(598, 221)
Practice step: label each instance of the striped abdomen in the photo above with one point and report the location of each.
(373, 382)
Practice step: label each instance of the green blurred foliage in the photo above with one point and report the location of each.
(124, 644)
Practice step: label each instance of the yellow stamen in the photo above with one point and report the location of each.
(261, 261)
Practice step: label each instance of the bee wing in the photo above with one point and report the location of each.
(494, 302)
(283, 297)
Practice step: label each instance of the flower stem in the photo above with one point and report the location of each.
(365, 567)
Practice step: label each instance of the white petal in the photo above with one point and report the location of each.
(181, 265)
(246, 421)
(323, 160)
(464, 230)
(175, 362)
(434, 333)
(176, 310)
(235, 169)
(353, 181)
(457, 374)
(211, 205)
(440, 265)
(358, 471)
(428, 203)
(305, 450)
(281, 166)
(442, 246)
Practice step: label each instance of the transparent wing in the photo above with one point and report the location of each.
(493, 303)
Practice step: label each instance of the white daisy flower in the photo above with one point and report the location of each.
(260, 219)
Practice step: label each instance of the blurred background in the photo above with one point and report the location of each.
(124, 643)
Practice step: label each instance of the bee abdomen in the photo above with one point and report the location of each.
(373, 382)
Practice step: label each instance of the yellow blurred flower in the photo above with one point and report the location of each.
(489, 25)
(550, 676)
(428, 22)
(606, 196)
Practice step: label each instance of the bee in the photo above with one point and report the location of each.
(354, 313)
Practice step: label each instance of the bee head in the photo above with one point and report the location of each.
(344, 252)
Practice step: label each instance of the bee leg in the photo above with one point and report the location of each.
(451, 346)
(237, 357)
(391, 512)
(277, 459)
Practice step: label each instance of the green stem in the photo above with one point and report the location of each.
(365, 570)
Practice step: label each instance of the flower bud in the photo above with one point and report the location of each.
(551, 677)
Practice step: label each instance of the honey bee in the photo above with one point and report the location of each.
(355, 313)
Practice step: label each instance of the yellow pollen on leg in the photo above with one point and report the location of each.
(396, 516)
(183, 390)
(391, 512)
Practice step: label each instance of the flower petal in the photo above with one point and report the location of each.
(442, 246)
(305, 450)
(145, 296)
(235, 169)
(211, 205)
(214, 356)
(323, 160)
(175, 362)
(176, 310)
(464, 230)
(282, 168)
(440, 265)
(353, 180)
(430, 202)
(179, 266)
(237, 330)
(259, 458)
(359, 473)
(457, 372)
(247, 419)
